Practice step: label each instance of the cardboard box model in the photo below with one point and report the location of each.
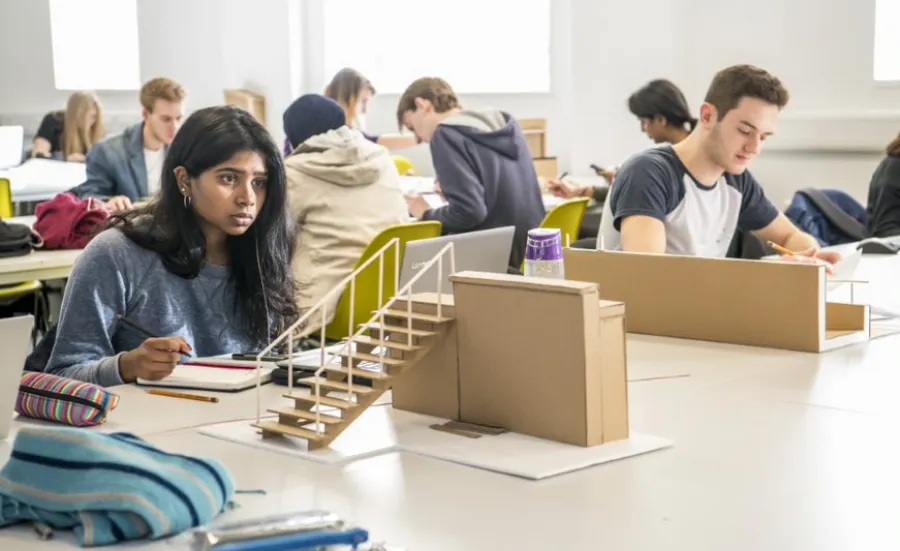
(540, 357)
(751, 302)
(253, 102)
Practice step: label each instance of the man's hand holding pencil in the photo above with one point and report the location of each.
(809, 256)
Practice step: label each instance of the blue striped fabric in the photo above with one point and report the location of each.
(108, 488)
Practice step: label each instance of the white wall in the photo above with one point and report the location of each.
(206, 45)
(833, 132)
(602, 51)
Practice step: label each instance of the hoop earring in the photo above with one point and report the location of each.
(187, 202)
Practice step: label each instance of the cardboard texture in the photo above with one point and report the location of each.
(547, 167)
(758, 303)
(535, 131)
(253, 102)
(541, 357)
(431, 386)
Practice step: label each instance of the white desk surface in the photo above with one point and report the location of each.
(39, 264)
(772, 450)
(42, 179)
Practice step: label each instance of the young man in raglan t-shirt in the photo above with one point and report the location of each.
(689, 198)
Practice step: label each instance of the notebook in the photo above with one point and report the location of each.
(201, 374)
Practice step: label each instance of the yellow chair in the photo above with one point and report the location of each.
(566, 217)
(404, 166)
(6, 202)
(366, 301)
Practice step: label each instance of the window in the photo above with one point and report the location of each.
(473, 44)
(887, 41)
(95, 44)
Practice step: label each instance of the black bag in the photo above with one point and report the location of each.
(17, 240)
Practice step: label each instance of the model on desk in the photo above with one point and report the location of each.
(484, 357)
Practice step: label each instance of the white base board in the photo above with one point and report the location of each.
(370, 435)
(512, 453)
(384, 429)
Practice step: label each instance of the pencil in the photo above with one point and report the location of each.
(779, 249)
(561, 176)
(184, 395)
(140, 329)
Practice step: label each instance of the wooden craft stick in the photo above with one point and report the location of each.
(472, 427)
(444, 428)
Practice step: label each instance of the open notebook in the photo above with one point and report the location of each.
(201, 374)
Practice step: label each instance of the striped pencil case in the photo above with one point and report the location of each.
(63, 400)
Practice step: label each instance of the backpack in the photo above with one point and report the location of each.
(831, 216)
(17, 240)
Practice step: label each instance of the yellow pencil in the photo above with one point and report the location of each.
(184, 395)
(779, 249)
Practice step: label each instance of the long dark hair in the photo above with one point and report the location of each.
(209, 137)
(662, 98)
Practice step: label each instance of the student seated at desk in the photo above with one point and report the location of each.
(69, 135)
(481, 160)
(689, 198)
(665, 118)
(343, 190)
(205, 266)
(354, 92)
(126, 167)
(883, 205)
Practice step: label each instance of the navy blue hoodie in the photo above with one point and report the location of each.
(487, 176)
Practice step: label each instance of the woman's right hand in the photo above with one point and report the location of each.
(153, 360)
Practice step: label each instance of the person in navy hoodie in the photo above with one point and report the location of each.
(481, 161)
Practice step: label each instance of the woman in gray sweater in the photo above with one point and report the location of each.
(188, 268)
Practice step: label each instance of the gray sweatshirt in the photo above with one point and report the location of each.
(114, 276)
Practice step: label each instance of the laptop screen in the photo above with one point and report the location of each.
(12, 143)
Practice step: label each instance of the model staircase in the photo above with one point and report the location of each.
(379, 351)
(337, 413)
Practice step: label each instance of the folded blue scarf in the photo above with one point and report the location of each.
(108, 488)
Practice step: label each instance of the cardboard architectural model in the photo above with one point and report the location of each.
(759, 303)
(487, 356)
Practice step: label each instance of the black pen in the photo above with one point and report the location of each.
(142, 330)
(563, 175)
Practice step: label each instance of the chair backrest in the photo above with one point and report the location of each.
(405, 167)
(567, 218)
(365, 302)
(6, 203)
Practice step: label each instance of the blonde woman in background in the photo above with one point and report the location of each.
(70, 134)
(354, 92)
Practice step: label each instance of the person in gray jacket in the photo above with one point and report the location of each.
(481, 161)
(126, 167)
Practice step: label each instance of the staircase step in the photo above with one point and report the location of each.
(289, 430)
(323, 400)
(396, 345)
(335, 385)
(399, 329)
(305, 415)
(416, 316)
(359, 356)
(360, 373)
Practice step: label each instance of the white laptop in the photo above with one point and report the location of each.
(15, 340)
(12, 144)
(479, 251)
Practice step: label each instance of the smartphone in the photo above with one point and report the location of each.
(248, 356)
(597, 169)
